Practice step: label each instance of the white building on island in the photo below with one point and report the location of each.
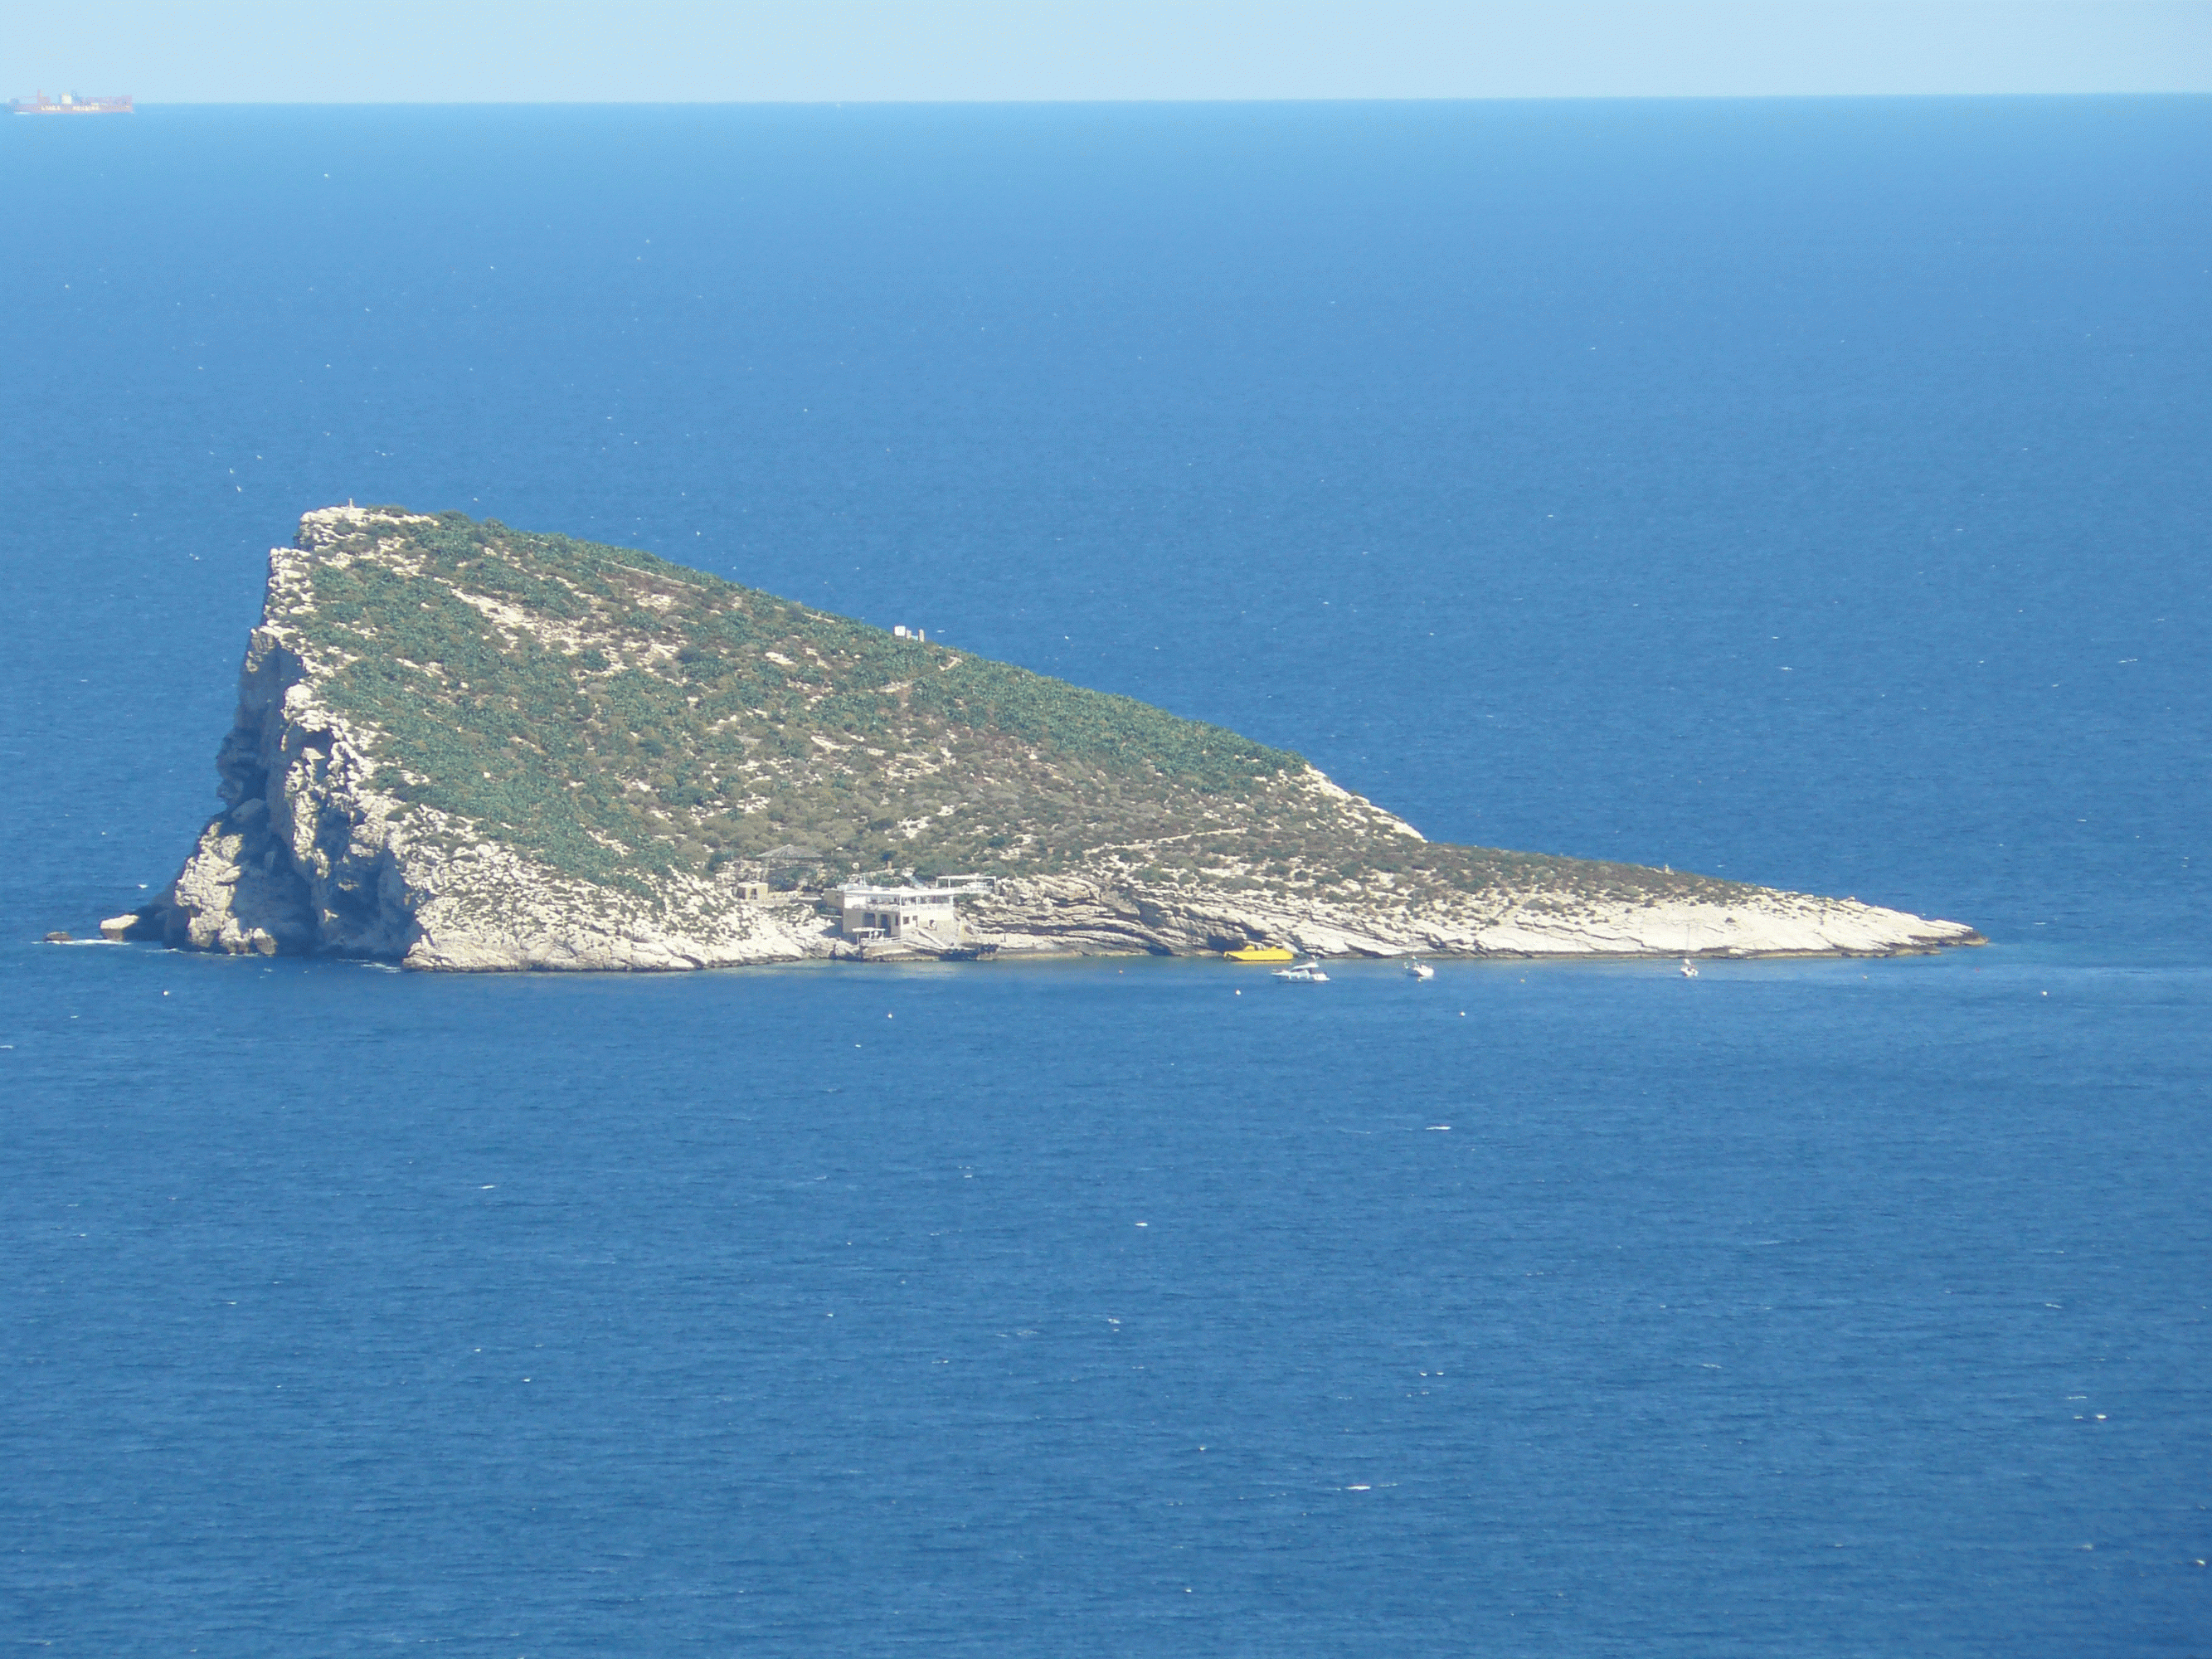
(923, 916)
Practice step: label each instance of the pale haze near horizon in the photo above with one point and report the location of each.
(986, 51)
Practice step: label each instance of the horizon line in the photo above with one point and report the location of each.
(139, 103)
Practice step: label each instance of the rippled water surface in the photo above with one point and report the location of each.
(1811, 493)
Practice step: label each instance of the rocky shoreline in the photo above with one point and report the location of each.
(318, 849)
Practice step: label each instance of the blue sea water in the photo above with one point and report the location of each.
(1810, 493)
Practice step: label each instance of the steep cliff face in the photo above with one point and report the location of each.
(314, 852)
(311, 856)
(457, 748)
(297, 860)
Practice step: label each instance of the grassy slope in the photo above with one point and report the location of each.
(616, 716)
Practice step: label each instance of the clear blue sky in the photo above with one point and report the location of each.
(445, 51)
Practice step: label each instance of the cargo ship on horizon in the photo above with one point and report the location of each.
(70, 104)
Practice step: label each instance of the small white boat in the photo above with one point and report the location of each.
(1303, 973)
(1689, 968)
(1418, 969)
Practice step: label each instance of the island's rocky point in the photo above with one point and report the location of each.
(461, 747)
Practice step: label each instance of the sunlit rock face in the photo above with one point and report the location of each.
(463, 747)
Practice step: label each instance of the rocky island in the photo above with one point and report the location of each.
(462, 746)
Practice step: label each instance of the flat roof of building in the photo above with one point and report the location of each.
(872, 894)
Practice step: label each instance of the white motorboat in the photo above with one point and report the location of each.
(1419, 970)
(1303, 973)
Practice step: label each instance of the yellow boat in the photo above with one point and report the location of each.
(1261, 953)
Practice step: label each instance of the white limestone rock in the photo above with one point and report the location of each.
(314, 853)
(1071, 914)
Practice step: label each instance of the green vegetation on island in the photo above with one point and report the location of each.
(615, 718)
